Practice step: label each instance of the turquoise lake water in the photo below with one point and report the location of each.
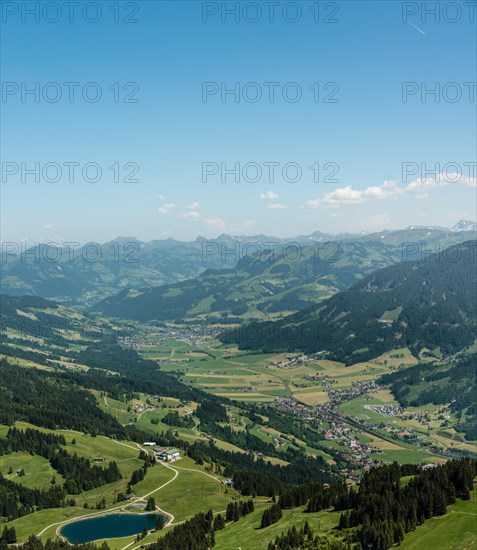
(108, 526)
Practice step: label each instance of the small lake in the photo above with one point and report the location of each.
(108, 526)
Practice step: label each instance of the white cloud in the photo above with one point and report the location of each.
(421, 186)
(192, 206)
(348, 195)
(192, 211)
(192, 214)
(387, 190)
(217, 223)
(234, 228)
(268, 196)
(166, 208)
(277, 206)
(49, 226)
(162, 197)
(248, 224)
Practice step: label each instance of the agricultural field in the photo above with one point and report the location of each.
(225, 371)
(182, 488)
(261, 378)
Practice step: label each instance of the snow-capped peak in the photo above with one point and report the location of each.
(464, 225)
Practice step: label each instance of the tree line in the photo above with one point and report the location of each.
(384, 510)
(17, 500)
(34, 543)
(236, 510)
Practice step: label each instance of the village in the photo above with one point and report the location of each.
(353, 437)
(355, 452)
(345, 431)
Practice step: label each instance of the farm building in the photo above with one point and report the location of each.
(171, 454)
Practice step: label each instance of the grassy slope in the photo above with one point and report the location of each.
(38, 472)
(457, 530)
(246, 535)
(193, 489)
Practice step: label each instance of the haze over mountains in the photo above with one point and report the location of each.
(85, 275)
(276, 282)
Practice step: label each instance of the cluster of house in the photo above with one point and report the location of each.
(321, 378)
(384, 409)
(129, 342)
(337, 430)
(394, 355)
(406, 434)
(292, 363)
(357, 389)
(156, 335)
(358, 454)
(162, 453)
(139, 407)
(359, 450)
(243, 389)
(287, 404)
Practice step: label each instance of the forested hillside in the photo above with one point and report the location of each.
(81, 275)
(423, 304)
(263, 284)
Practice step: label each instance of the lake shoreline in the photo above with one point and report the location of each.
(113, 522)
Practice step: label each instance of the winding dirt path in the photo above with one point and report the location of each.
(122, 507)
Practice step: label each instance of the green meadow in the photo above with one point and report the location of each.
(456, 530)
(38, 472)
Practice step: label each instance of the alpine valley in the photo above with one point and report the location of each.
(317, 392)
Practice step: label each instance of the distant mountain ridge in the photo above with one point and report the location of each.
(257, 287)
(82, 276)
(422, 304)
(270, 285)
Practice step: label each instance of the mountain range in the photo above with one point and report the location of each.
(84, 275)
(276, 282)
(427, 304)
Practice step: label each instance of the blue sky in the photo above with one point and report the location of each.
(361, 61)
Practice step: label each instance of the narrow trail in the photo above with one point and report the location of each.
(122, 507)
(142, 498)
(199, 472)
